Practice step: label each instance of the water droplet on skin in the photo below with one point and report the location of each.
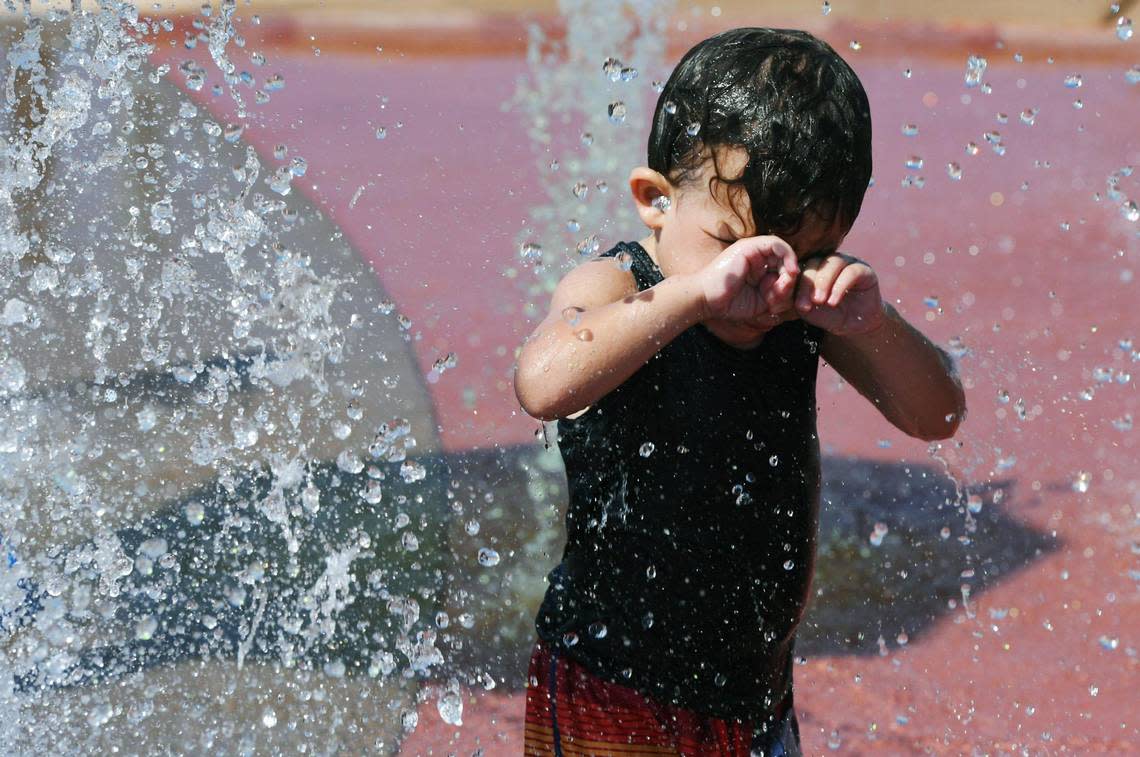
(907, 73)
(570, 638)
(585, 335)
(646, 449)
(971, 148)
(381, 132)
(488, 557)
(1132, 75)
(624, 261)
(617, 112)
(662, 203)
(280, 151)
(1072, 81)
(954, 171)
(1078, 104)
(826, 9)
(1029, 116)
(587, 138)
(855, 45)
(572, 315)
(1124, 29)
(910, 130)
(580, 190)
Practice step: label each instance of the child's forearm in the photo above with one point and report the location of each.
(574, 361)
(910, 380)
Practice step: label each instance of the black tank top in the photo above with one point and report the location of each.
(692, 520)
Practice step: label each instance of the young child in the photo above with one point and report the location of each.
(683, 376)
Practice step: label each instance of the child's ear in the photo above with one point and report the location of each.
(648, 187)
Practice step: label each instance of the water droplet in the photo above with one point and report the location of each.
(617, 112)
(624, 260)
(585, 335)
(598, 630)
(572, 315)
(910, 130)
(450, 707)
(1132, 75)
(1072, 81)
(1124, 29)
(195, 513)
(1123, 423)
(531, 253)
(907, 73)
(954, 171)
(233, 132)
(646, 449)
(974, 503)
(720, 679)
(855, 45)
(1029, 116)
(880, 530)
(670, 107)
(774, 460)
(569, 638)
(580, 190)
(693, 129)
(826, 9)
(381, 132)
(410, 542)
(488, 557)
(1082, 481)
(975, 68)
(789, 564)
(268, 717)
(275, 82)
(1109, 642)
(611, 67)
(971, 148)
(651, 572)
(587, 138)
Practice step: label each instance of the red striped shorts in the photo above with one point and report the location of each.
(570, 711)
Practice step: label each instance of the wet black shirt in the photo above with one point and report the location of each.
(691, 527)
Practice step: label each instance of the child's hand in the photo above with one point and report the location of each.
(840, 294)
(751, 281)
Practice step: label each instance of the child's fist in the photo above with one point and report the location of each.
(839, 293)
(751, 281)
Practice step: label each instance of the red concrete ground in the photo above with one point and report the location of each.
(1031, 271)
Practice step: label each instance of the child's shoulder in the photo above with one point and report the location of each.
(602, 279)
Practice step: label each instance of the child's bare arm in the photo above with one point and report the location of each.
(910, 380)
(601, 329)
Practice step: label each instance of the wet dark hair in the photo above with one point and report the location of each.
(791, 102)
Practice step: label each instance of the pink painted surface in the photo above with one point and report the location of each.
(1038, 306)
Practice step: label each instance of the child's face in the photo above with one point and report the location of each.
(696, 226)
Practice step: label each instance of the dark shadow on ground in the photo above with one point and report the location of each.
(214, 577)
